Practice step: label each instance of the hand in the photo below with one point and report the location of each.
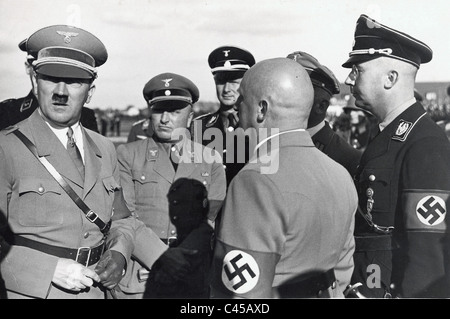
(73, 276)
(174, 262)
(110, 268)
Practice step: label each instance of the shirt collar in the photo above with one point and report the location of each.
(396, 112)
(313, 130)
(275, 135)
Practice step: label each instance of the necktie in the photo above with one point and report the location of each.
(174, 157)
(232, 121)
(74, 152)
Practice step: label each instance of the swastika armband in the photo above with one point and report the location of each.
(425, 210)
(243, 273)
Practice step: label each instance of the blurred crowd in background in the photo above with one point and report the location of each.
(355, 125)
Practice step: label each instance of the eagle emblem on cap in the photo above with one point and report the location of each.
(166, 82)
(226, 52)
(67, 35)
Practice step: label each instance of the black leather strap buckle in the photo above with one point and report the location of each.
(91, 216)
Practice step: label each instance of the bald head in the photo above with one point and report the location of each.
(275, 93)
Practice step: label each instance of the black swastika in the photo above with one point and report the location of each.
(238, 271)
(426, 210)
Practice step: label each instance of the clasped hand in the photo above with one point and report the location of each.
(74, 276)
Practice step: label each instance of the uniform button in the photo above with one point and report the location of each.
(142, 178)
(333, 285)
(86, 235)
(369, 192)
(205, 182)
(172, 232)
(174, 202)
(175, 217)
(41, 189)
(372, 178)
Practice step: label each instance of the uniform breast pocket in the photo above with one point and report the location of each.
(145, 183)
(110, 184)
(377, 184)
(40, 202)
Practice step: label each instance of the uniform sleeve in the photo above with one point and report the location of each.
(17, 260)
(250, 238)
(425, 191)
(147, 246)
(126, 179)
(345, 266)
(217, 190)
(122, 235)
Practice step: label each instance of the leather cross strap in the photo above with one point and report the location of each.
(90, 214)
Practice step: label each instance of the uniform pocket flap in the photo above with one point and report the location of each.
(39, 186)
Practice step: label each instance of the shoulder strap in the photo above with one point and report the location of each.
(90, 214)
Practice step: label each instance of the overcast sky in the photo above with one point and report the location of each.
(148, 37)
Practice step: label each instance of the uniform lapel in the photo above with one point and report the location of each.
(92, 164)
(162, 166)
(48, 145)
(187, 161)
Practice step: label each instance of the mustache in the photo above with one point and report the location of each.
(60, 99)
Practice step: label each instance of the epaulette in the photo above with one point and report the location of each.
(138, 122)
(211, 121)
(10, 129)
(7, 101)
(201, 116)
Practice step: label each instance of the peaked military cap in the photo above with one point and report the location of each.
(170, 87)
(230, 58)
(320, 75)
(373, 40)
(65, 51)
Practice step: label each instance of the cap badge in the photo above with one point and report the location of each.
(226, 52)
(166, 82)
(67, 35)
(227, 64)
(167, 92)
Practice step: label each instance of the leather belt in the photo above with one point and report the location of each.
(309, 287)
(84, 255)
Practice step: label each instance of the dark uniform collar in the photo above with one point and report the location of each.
(397, 131)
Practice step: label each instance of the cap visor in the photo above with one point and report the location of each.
(359, 59)
(63, 71)
(170, 104)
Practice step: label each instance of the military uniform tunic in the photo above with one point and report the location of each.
(284, 221)
(404, 182)
(146, 176)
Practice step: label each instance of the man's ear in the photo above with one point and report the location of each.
(190, 117)
(391, 79)
(263, 107)
(90, 93)
(33, 78)
(323, 106)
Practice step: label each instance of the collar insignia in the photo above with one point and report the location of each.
(212, 120)
(153, 153)
(402, 131)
